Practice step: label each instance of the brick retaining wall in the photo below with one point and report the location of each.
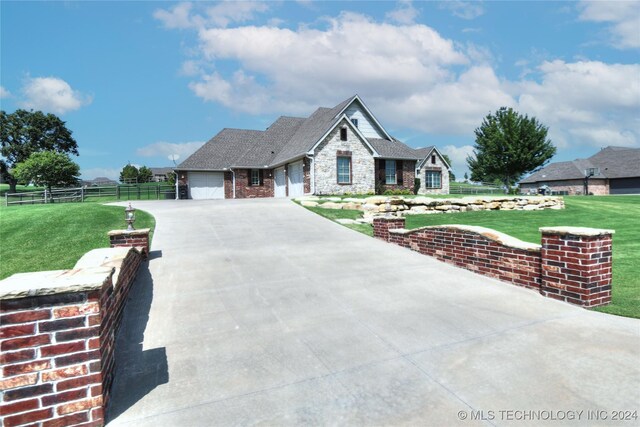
(572, 264)
(57, 339)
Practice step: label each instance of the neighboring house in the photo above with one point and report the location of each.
(612, 170)
(99, 182)
(160, 174)
(336, 150)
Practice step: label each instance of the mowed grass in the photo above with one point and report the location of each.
(55, 236)
(619, 213)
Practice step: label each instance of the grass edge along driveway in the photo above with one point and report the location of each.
(619, 213)
(55, 236)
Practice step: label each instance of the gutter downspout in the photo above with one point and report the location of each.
(176, 185)
(312, 173)
(233, 182)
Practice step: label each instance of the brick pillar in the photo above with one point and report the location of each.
(382, 225)
(576, 265)
(134, 238)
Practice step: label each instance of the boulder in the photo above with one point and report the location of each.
(375, 199)
(309, 203)
(352, 206)
(331, 205)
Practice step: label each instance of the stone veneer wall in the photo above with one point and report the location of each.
(57, 339)
(325, 164)
(444, 177)
(573, 264)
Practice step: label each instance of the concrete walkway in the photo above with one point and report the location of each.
(260, 312)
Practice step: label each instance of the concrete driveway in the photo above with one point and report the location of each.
(260, 312)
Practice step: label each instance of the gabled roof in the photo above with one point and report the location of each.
(612, 162)
(425, 152)
(223, 150)
(394, 149)
(288, 138)
(160, 171)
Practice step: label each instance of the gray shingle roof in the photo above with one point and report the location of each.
(424, 151)
(286, 139)
(394, 149)
(271, 143)
(618, 162)
(223, 150)
(310, 132)
(613, 162)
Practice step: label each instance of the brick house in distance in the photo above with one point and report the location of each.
(336, 150)
(612, 170)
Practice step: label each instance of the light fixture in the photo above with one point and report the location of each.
(130, 217)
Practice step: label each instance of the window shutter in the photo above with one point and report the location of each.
(399, 173)
(261, 177)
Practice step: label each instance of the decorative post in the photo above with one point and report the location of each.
(576, 265)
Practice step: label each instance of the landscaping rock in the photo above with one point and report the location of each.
(331, 205)
(309, 203)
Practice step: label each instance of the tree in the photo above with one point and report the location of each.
(144, 174)
(23, 133)
(466, 177)
(129, 174)
(452, 176)
(509, 145)
(49, 169)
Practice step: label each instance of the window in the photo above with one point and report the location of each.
(389, 171)
(433, 159)
(432, 179)
(256, 177)
(343, 134)
(344, 170)
(355, 122)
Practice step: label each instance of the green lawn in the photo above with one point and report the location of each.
(55, 236)
(620, 213)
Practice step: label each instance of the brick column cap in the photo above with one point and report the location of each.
(139, 232)
(23, 285)
(576, 231)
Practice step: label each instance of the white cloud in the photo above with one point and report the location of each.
(412, 78)
(458, 157)
(187, 15)
(587, 102)
(93, 173)
(52, 94)
(404, 13)
(165, 149)
(623, 17)
(4, 93)
(463, 9)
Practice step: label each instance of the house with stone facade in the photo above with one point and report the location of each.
(339, 150)
(612, 170)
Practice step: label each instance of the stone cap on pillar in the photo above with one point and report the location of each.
(139, 232)
(576, 231)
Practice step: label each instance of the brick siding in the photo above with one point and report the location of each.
(245, 190)
(57, 352)
(572, 265)
(408, 172)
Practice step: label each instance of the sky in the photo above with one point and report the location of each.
(137, 82)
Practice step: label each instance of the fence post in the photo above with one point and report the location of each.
(45, 195)
(82, 194)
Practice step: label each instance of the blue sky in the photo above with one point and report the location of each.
(138, 81)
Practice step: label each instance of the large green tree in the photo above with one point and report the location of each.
(48, 169)
(144, 174)
(23, 133)
(509, 145)
(129, 174)
(452, 176)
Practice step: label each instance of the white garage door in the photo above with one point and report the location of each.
(296, 179)
(206, 185)
(281, 184)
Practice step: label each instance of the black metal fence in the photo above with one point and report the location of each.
(147, 191)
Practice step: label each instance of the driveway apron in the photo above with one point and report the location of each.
(261, 312)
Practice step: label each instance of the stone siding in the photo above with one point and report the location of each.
(325, 164)
(572, 264)
(444, 176)
(598, 187)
